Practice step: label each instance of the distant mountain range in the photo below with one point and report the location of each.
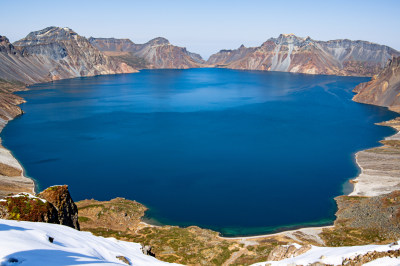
(58, 53)
(54, 53)
(290, 53)
(157, 53)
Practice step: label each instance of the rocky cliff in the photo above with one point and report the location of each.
(59, 197)
(54, 53)
(290, 53)
(53, 205)
(383, 89)
(157, 53)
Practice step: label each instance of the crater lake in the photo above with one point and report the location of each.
(240, 152)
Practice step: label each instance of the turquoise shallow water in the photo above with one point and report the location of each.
(241, 152)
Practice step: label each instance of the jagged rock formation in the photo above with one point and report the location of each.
(157, 53)
(61, 199)
(51, 54)
(290, 53)
(53, 205)
(383, 89)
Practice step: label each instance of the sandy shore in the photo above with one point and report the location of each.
(380, 166)
(12, 178)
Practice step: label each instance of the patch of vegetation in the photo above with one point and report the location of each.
(92, 206)
(340, 236)
(191, 245)
(175, 244)
(83, 219)
(24, 208)
(392, 142)
(258, 253)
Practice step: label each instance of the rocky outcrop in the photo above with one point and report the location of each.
(157, 53)
(288, 251)
(371, 256)
(54, 53)
(60, 198)
(383, 89)
(379, 214)
(290, 53)
(25, 207)
(53, 205)
(117, 214)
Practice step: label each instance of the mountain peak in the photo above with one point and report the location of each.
(5, 45)
(158, 41)
(288, 35)
(47, 35)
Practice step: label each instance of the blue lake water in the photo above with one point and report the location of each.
(241, 152)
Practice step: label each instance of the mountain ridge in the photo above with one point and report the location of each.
(54, 53)
(156, 53)
(290, 53)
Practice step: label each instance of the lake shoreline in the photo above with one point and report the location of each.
(30, 186)
(365, 190)
(12, 176)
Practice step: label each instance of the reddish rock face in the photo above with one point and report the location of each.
(61, 199)
(53, 205)
(383, 89)
(290, 53)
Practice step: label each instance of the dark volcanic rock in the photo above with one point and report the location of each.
(290, 53)
(61, 199)
(146, 249)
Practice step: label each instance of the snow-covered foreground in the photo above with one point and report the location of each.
(335, 256)
(27, 243)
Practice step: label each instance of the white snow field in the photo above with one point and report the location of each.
(335, 256)
(27, 243)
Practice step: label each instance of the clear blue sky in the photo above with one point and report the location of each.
(206, 26)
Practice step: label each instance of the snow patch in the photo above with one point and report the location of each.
(28, 242)
(335, 255)
(23, 194)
